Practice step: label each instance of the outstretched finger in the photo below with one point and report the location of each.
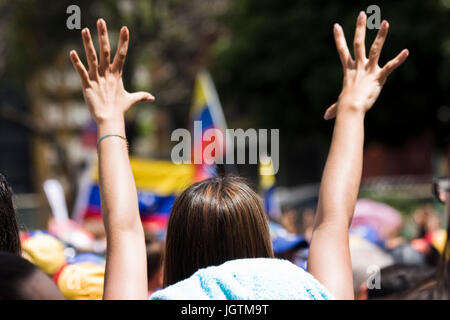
(377, 44)
(79, 67)
(122, 49)
(91, 55)
(331, 112)
(359, 40)
(341, 45)
(105, 50)
(392, 65)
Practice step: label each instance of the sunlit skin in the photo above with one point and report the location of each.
(107, 99)
(329, 255)
(329, 261)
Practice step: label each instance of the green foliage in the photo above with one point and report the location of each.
(274, 62)
(169, 40)
(278, 66)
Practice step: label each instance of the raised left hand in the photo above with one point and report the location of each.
(103, 88)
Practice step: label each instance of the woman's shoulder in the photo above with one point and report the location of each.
(241, 279)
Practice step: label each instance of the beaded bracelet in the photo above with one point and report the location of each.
(112, 135)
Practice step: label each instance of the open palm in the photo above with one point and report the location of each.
(363, 77)
(102, 85)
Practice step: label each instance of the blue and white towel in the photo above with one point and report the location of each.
(247, 279)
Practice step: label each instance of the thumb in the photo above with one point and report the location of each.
(141, 97)
(331, 112)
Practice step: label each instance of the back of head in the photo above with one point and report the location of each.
(9, 231)
(211, 222)
(398, 281)
(21, 280)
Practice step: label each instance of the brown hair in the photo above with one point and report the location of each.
(211, 222)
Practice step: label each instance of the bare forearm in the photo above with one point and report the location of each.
(342, 174)
(120, 209)
(337, 198)
(117, 187)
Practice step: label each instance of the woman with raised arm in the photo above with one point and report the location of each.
(218, 242)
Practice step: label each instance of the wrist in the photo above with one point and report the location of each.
(350, 109)
(114, 125)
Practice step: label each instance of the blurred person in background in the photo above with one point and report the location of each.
(9, 229)
(154, 267)
(307, 224)
(289, 246)
(29, 260)
(78, 275)
(396, 281)
(428, 282)
(441, 188)
(82, 277)
(426, 220)
(21, 280)
(95, 227)
(43, 250)
(289, 220)
(375, 242)
(240, 225)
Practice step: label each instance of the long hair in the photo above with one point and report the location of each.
(211, 222)
(14, 274)
(9, 230)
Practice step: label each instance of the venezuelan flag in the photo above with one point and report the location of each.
(158, 184)
(267, 187)
(206, 111)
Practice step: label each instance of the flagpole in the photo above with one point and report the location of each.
(218, 116)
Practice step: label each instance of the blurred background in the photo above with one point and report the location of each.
(274, 64)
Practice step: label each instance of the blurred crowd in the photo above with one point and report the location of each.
(68, 259)
(386, 264)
